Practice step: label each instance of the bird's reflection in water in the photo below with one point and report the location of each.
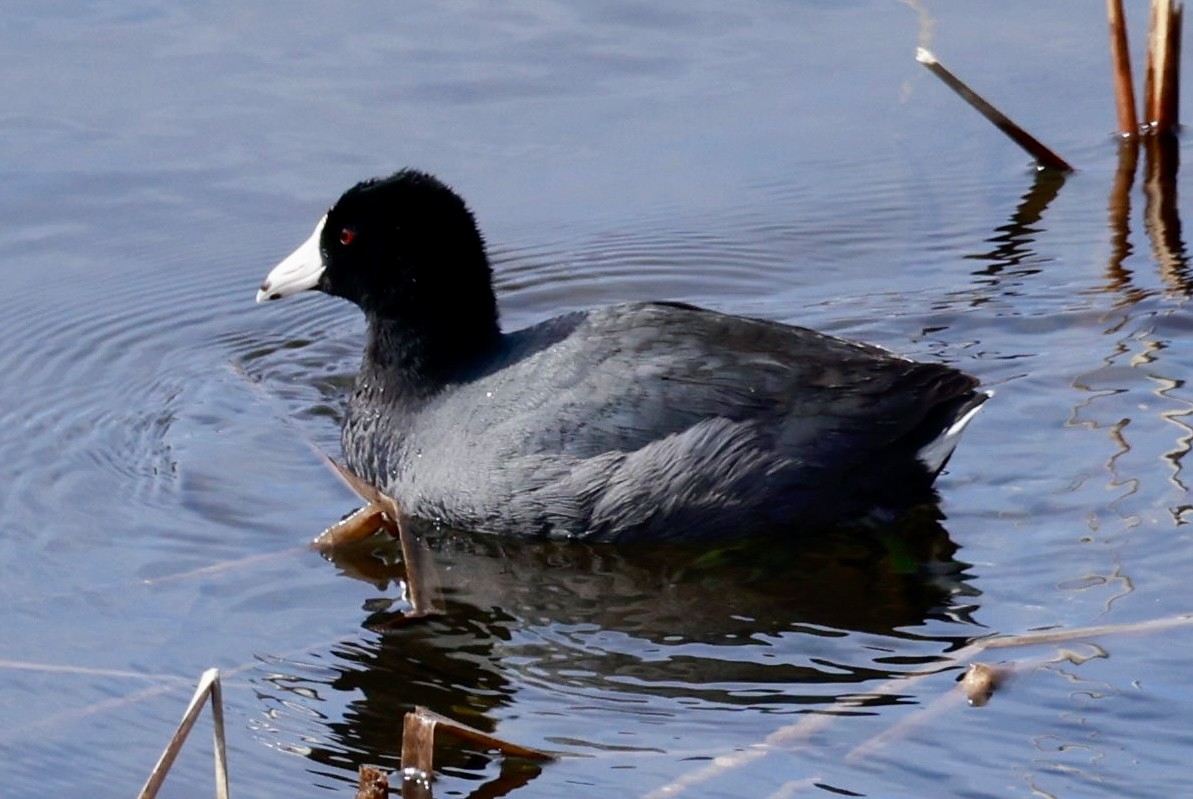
(606, 624)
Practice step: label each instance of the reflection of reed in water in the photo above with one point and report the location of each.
(1161, 215)
(1119, 276)
(1143, 340)
(1161, 221)
(1120, 404)
(1157, 135)
(1013, 241)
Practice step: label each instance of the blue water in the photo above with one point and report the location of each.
(158, 473)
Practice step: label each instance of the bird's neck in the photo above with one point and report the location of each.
(412, 361)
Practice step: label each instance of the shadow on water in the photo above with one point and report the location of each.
(600, 626)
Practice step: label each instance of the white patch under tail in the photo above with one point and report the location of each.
(935, 454)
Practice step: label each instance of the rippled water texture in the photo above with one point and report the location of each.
(158, 431)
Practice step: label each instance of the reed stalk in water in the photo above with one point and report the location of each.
(1162, 82)
(1161, 86)
(208, 689)
(1037, 150)
(1120, 57)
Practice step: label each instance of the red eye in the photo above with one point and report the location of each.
(347, 235)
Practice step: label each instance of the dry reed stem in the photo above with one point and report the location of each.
(799, 732)
(207, 689)
(76, 713)
(223, 566)
(166, 684)
(86, 671)
(1037, 150)
(418, 748)
(372, 783)
(808, 785)
(423, 717)
(1162, 80)
(379, 511)
(422, 577)
(418, 753)
(1077, 634)
(1150, 79)
(1120, 56)
(977, 685)
(362, 523)
(1173, 81)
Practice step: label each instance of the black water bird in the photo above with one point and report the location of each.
(640, 421)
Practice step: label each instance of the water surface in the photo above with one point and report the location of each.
(783, 159)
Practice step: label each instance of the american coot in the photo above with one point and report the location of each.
(640, 421)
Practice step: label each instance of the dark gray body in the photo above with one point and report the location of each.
(658, 421)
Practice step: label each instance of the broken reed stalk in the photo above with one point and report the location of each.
(1042, 154)
(1161, 95)
(420, 720)
(362, 523)
(977, 685)
(422, 577)
(380, 511)
(372, 783)
(1120, 56)
(208, 688)
(418, 748)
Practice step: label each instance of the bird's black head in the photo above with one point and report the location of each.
(405, 249)
(403, 246)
